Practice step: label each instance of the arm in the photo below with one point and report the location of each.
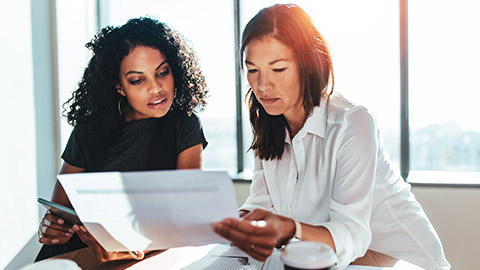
(347, 231)
(260, 231)
(259, 196)
(59, 195)
(350, 205)
(190, 158)
(190, 142)
(53, 230)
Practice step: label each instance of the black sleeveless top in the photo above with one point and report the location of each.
(146, 144)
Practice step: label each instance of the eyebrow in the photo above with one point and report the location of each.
(270, 63)
(139, 72)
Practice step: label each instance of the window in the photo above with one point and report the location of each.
(444, 87)
(72, 54)
(441, 64)
(211, 34)
(365, 51)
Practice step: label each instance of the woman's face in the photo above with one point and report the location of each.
(274, 77)
(146, 80)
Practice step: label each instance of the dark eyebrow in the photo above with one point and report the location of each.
(139, 72)
(159, 66)
(270, 63)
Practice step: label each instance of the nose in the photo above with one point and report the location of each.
(154, 87)
(264, 82)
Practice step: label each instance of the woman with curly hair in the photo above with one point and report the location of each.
(133, 111)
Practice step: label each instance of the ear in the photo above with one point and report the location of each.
(120, 90)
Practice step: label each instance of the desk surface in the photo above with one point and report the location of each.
(169, 259)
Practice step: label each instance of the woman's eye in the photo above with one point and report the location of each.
(252, 71)
(136, 82)
(278, 70)
(163, 73)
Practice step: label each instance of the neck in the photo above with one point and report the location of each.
(295, 122)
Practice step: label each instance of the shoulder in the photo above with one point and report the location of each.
(343, 112)
(184, 119)
(79, 133)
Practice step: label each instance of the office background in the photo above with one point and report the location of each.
(43, 57)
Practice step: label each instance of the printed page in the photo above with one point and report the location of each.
(153, 209)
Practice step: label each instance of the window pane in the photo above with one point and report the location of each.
(364, 41)
(72, 54)
(210, 29)
(444, 87)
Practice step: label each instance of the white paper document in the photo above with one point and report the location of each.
(152, 209)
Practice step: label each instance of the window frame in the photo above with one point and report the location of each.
(405, 170)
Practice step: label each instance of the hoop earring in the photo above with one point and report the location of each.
(174, 93)
(119, 106)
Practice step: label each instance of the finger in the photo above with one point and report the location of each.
(54, 218)
(257, 252)
(99, 252)
(51, 232)
(250, 227)
(138, 255)
(86, 237)
(57, 223)
(53, 240)
(54, 226)
(242, 239)
(257, 214)
(231, 231)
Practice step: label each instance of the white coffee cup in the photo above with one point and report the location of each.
(303, 255)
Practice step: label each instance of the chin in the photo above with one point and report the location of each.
(273, 112)
(160, 114)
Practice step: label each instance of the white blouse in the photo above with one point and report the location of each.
(335, 173)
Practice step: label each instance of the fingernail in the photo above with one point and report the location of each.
(76, 227)
(60, 221)
(68, 234)
(71, 230)
(83, 229)
(54, 241)
(218, 226)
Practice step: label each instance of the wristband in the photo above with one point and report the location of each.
(298, 230)
(297, 236)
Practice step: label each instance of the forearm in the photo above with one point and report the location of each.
(59, 196)
(308, 232)
(318, 234)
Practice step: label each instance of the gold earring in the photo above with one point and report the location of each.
(119, 106)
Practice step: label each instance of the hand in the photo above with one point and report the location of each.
(100, 253)
(53, 230)
(258, 233)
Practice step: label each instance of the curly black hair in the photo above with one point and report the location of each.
(94, 105)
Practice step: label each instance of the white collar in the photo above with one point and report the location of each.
(315, 124)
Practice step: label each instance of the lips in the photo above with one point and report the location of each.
(268, 101)
(157, 101)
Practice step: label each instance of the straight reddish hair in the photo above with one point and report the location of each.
(292, 26)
